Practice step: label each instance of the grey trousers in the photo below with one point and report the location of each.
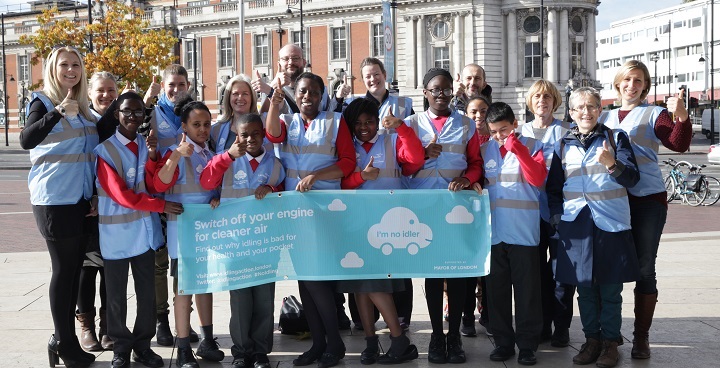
(251, 320)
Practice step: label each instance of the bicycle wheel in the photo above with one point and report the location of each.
(670, 188)
(696, 198)
(714, 188)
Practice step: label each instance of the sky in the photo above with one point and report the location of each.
(608, 11)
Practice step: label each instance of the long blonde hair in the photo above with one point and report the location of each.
(56, 94)
(228, 112)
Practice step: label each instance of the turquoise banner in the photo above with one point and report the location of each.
(333, 235)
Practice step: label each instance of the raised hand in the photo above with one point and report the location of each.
(185, 149)
(460, 87)
(306, 183)
(605, 155)
(68, 106)
(152, 91)
(262, 191)
(282, 79)
(127, 88)
(278, 97)
(344, 89)
(676, 106)
(458, 184)
(151, 143)
(259, 85)
(237, 149)
(433, 150)
(370, 172)
(390, 121)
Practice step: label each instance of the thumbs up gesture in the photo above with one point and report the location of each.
(344, 89)
(68, 106)
(259, 85)
(153, 91)
(238, 148)
(390, 121)
(370, 172)
(460, 87)
(433, 150)
(282, 78)
(185, 149)
(128, 88)
(676, 106)
(605, 155)
(151, 143)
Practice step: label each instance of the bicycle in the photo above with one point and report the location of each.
(691, 187)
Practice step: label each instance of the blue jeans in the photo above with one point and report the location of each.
(648, 220)
(601, 311)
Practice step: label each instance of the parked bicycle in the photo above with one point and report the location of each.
(686, 181)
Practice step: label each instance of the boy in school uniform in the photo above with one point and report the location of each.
(514, 170)
(246, 168)
(130, 230)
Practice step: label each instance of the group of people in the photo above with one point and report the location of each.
(575, 206)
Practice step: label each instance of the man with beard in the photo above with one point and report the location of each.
(472, 84)
(291, 64)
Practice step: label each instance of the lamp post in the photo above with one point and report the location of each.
(669, 75)
(21, 113)
(568, 91)
(712, 75)
(4, 77)
(302, 29)
(654, 58)
(194, 63)
(280, 31)
(542, 41)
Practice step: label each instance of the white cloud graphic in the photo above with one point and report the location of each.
(352, 260)
(221, 142)
(399, 228)
(240, 175)
(491, 164)
(337, 205)
(131, 173)
(164, 125)
(199, 168)
(459, 215)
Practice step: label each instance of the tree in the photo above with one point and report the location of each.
(122, 42)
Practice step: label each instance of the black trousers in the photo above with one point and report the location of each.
(456, 302)
(557, 298)
(514, 268)
(116, 281)
(318, 299)
(67, 257)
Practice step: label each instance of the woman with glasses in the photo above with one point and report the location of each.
(61, 135)
(586, 190)
(543, 99)
(648, 127)
(452, 161)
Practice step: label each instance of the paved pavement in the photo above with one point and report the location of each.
(685, 333)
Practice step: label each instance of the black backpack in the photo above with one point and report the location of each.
(292, 318)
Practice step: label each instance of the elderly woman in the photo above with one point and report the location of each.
(586, 189)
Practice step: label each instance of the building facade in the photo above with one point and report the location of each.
(513, 40)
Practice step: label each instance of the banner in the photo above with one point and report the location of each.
(333, 235)
(389, 38)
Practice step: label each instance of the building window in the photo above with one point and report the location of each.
(532, 60)
(23, 68)
(626, 37)
(441, 55)
(441, 30)
(378, 40)
(531, 24)
(262, 52)
(198, 3)
(577, 24)
(695, 22)
(295, 38)
(577, 48)
(189, 53)
(681, 78)
(339, 43)
(226, 52)
(679, 24)
(616, 40)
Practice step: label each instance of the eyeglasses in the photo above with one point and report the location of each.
(291, 58)
(436, 92)
(588, 108)
(136, 113)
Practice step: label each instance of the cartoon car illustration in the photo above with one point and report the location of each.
(399, 228)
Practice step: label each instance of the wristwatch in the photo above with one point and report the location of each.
(60, 109)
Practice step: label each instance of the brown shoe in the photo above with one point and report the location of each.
(609, 356)
(105, 340)
(644, 310)
(589, 352)
(88, 339)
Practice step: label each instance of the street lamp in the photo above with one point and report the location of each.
(302, 30)
(655, 57)
(280, 31)
(669, 55)
(568, 91)
(21, 114)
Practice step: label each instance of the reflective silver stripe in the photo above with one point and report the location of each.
(292, 173)
(236, 193)
(453, 148)
(444, 173)
(530, 144)
(190, 185)
(506, 178)
(515, 204)
(596, 196)
(64, 159)
(122, 219)
(389, 173)
(640, 136)
(587, 170)
(401, 106)
(275, 175)
(167, 142)
(329, 150)
(117, 160)
(69, 133)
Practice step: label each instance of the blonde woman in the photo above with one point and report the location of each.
(238, 99)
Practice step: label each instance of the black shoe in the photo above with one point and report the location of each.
(527, 357)
(210, 350)
(372, 351)
(71, 356)
(121, 360)
(437, 351)
(468, 326)
(186, 359)
(560, 338)
(242, 363)
(148, 358)
(455, 352)
(502, 353)
(307, 358)
(261, 361)
(410, 353)
(329, 360)
(163, 335)
(193, 336)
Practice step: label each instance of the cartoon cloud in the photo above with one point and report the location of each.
(459, 215)
(352, 260)
(337, 205)
(399, 228)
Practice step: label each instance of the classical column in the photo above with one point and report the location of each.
(564, 59)
(552, 48)
(512, 45)
(590, 45)
(469, 39)
(410, 56)
(457, 44)
(422, 50)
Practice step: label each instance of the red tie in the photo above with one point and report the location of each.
(367, 146)
(133, 147)
(254, 164)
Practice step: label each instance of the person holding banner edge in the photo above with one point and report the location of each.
(325, 133)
